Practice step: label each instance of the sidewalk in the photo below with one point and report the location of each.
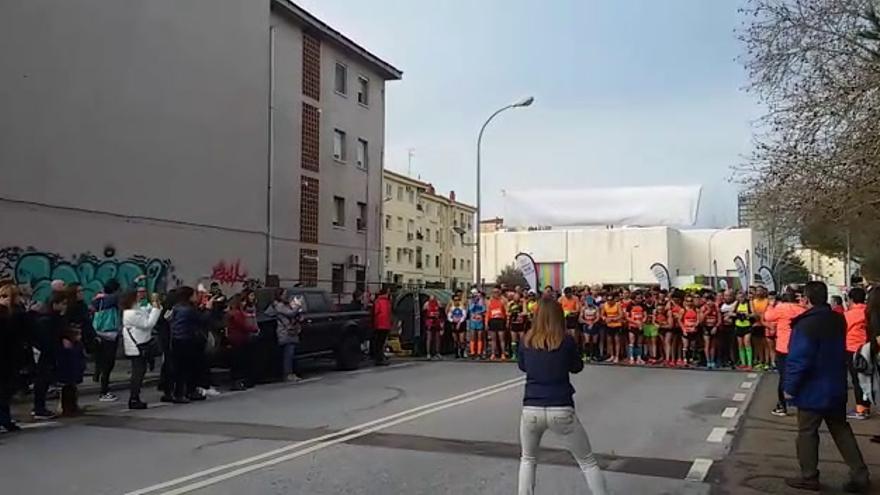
(763, 452)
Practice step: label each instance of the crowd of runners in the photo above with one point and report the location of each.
(675, 328)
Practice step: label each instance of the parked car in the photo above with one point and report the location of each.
(329, 330)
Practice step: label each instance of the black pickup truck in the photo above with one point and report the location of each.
(327, 330)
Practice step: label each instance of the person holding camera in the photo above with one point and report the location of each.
(138, 341)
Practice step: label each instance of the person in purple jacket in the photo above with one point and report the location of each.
(547, 356)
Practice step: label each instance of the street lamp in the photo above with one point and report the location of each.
(522, 103)
(714, 276)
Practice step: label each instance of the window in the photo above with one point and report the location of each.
(388, 191)
(410, 226)
(461, 263)
(338, 211)
(427, 260)
(341, 84)
(311, 70)
(337, 279)
(411, 195)
(453, 264)
(428, 235)
(387, 253)
(437, 237)
(308, 267)
(339, 145)
(387, 222)
(410, 256)
(310, 153)
(399, 223)
(360, 279)
(468, 264)
(362, 216)
(452, 237)
(400, 193)
(362, 156)
(437, 261)
(363, 90)
(418, 257)
(399, 255)
(308, 209)
(428, 209)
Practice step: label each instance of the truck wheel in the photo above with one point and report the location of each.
(348, 355)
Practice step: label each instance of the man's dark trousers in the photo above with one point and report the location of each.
(808, 443)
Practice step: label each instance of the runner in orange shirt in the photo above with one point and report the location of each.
(612, 315)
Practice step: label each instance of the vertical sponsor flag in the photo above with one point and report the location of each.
(662, 273)
(767, 278)
(742, 271)
(526, 264)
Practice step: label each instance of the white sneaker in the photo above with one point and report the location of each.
(210, 392)
(293, 377)
(108, 397)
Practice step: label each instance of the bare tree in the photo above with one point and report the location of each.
(815, 64)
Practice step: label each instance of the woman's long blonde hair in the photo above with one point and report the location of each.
(548, 327)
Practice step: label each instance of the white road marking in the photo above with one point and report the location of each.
(699, 470)
(739, 397)
(746, 385)
(42, 424)
(271, 462)
(377, 368)
(717, 435)
(729, 412)
(752, 375)
(309, 380)
(354, 429)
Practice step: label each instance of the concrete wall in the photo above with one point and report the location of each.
(618, 256)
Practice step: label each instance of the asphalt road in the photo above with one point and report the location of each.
(411, 428)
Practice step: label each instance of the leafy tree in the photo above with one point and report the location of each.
(511, 276)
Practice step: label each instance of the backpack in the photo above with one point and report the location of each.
(106, 320)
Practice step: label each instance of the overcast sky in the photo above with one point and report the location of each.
(628, 92)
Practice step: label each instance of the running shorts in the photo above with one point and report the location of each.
(650, 331)
(706, 331)
(614, 330)
(434, 325)
(743, 331)
(758, 331)
(590, 330)
(517, 327)
(497, 325)
(634, 331)
(475, 325)
(571, 322)
(457, 327)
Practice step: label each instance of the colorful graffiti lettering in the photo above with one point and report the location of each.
(229, 273)
(37, 270)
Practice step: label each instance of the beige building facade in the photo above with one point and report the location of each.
(427, 238)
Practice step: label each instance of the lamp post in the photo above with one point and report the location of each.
(522, 103)
(714, 276)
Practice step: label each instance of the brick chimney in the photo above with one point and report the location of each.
(452, 195)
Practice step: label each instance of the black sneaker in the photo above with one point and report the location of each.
(804, 484)
(137, 405)
(196, 397)
(779, 411)
(43, 415)
(11, 427)
(180, 400)
(166, 398)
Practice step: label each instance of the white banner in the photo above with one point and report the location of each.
(742, 271)
(526, 265)
(767, 278)
(662, 273)
(629, 206)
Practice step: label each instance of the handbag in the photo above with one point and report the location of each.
(149, 349)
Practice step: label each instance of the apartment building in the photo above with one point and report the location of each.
(221, 140)
(427, 238)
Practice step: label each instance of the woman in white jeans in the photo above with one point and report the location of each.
(547, 356)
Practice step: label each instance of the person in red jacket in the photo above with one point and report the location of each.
(856, 337)
(382, 323)
(241, 328)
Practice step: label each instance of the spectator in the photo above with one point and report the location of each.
(856, 337)
(781, 314)
(241, 329)
(71, 356)
(287, 314)
(873, 350)
(187, 344)
(107, 323)
(214, 321)
(11, 336)
(837, 305)
(815, 380)
(382, 323)
(163, 334)
(138, 340)
(547, 356)
(49, 326)
(78, 316)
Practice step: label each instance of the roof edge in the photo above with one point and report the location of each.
(388, 71)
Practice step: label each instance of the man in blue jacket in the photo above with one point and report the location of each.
(815, 381)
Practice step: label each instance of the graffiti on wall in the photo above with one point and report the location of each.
(230, 273)
(37, 269)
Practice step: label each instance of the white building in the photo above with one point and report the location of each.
(598, 255)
